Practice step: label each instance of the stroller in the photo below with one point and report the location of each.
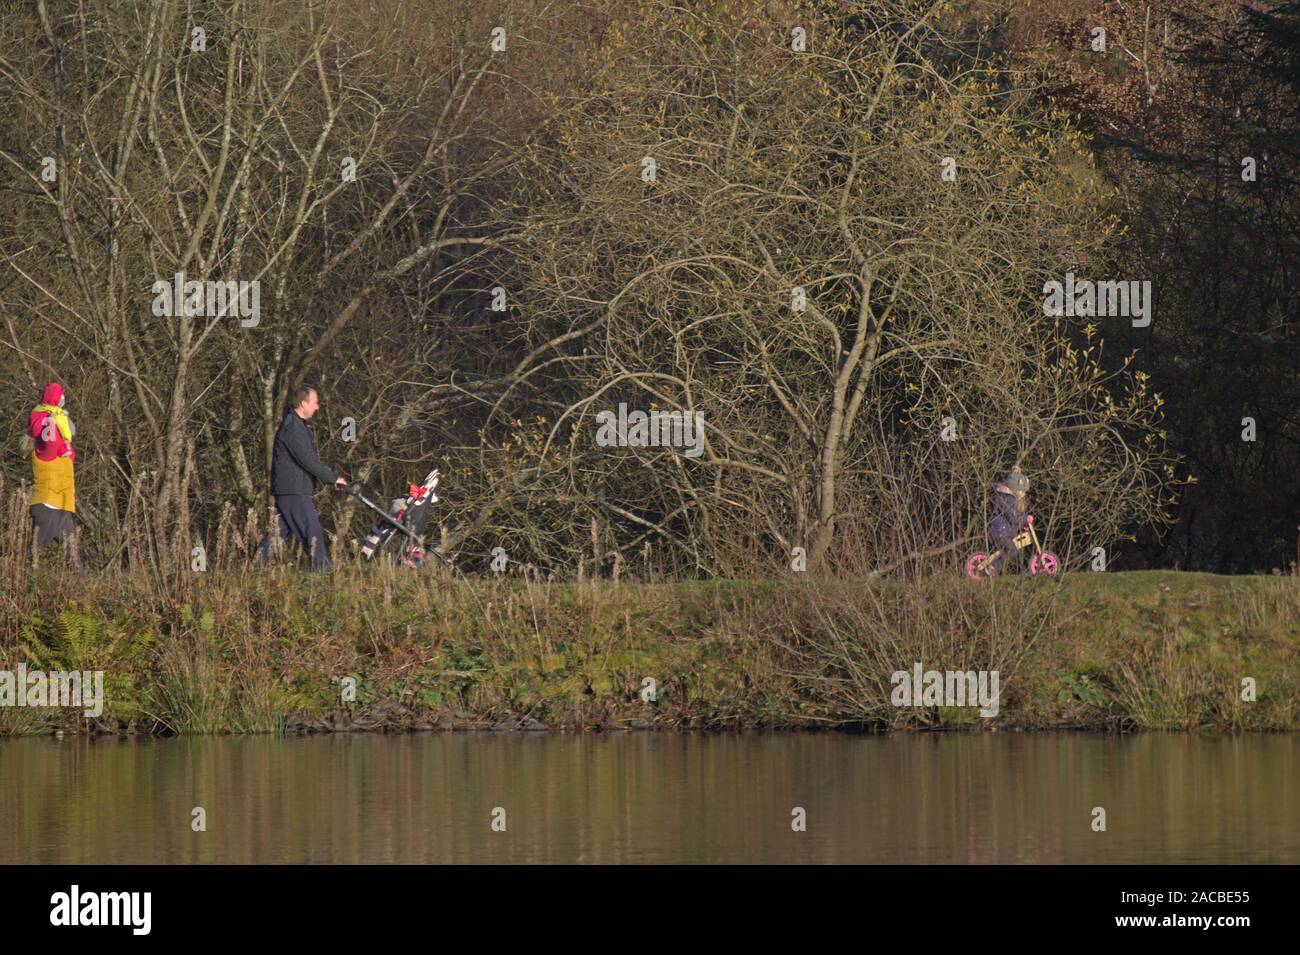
(405, 519)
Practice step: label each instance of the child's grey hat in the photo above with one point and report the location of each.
(1016, 481)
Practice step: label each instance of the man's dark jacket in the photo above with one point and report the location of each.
(294, 465)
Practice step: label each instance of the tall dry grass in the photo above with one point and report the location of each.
(239, 648)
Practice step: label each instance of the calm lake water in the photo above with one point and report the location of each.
(653, 798)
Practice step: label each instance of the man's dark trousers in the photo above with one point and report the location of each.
(298, 517)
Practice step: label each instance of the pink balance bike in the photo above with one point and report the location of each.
(1042, 562)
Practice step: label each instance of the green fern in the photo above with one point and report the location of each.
(74, 639)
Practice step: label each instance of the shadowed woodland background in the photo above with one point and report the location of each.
(522, 170)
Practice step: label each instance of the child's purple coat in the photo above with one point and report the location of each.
(1005, 520)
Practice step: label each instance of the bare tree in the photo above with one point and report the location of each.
(831, 253)
(332, 157)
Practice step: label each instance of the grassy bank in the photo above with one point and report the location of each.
(273, 651)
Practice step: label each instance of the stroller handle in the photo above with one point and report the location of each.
(352, 492)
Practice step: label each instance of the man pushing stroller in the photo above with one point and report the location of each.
(295, 470)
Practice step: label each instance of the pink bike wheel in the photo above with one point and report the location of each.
(972, 565)
(1044, 563)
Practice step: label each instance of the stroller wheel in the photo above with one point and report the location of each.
(973, 566)
(1044, 563)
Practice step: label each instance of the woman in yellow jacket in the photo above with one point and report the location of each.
(54, 492)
